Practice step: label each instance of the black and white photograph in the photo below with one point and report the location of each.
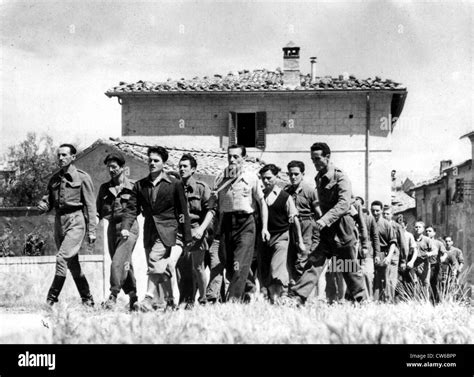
(196, 174)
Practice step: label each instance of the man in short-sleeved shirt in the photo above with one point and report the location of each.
(435, 261)
(425, 250)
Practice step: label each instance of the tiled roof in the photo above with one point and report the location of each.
(427, 182)
(402, 201)
(260, 80)
(210, 162)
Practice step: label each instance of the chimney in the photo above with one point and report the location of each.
(313, 68)
(444, 164)
(291, 65)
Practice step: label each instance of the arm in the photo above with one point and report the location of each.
(181, 205)
(364, 238)
(44, 204)
(393, 244)
(414, 250)
(205, 203)
(259, 198)
(293, 218)
(343, 204)
(100, 203)
(131, 211)
(88, 199)
(374, 236)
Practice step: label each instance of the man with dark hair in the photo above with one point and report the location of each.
(161, 199)
(407, 278)
(458, 256)
(307, 204)
(401, 250)
(274, 254)
(336, 228)
(111, 202)
(426, 249)
(366, 255)
(385, 262)
(201, 216)
(71, 194)
(435, 261)
(239, 194)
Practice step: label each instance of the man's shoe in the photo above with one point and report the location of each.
(110, 303)
(144, 306)
(88, 301)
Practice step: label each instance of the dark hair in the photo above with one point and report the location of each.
(386, 206)
(321, 147)
(448, 236)
(116, 157)
(72, 148)
(273, 168)
(361, 199)
(189, 157)
(377, 203)
(432, 227)
(241, 147)
(296, 164)
(158, 150)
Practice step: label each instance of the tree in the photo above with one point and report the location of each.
(33, 158)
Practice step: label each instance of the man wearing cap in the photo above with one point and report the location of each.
(160, 198)
(111, 201)
(71, 194)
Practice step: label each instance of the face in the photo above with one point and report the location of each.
(269, 180)
(376, 211)
(449, 242)
(115, 170)
(387, 214)
(419, 229)
(155, 163)
(320, 162)
(235, 158)
(65, 158)
(185, 169)
(295, 175)
(430, 232)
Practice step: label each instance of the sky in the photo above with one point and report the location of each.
(58, 58)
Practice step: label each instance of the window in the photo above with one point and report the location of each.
(247, 129)
(442, 213)
(434, 211)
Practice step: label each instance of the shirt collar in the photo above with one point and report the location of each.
(71, 174)
(125, 185)
(191, 184)
(163, 177)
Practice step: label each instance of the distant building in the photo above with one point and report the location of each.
(447, 202)
(276, 114)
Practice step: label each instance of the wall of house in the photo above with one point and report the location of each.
(458, 218)
(338, 119)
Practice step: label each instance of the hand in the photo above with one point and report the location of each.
(364, 252)
(410, 265)
(320, 225)
(92, 239)
(198, 233)
(377, 261)
(125, 233)
(302, 246)
(265, 235)
(386, 261)
(42, 207)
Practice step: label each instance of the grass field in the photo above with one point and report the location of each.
(260, 322)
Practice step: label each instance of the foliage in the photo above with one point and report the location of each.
(33, 158)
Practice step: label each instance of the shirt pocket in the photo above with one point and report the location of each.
(194, 204)
(72, 191)
(242, 190)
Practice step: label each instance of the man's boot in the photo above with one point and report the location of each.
(83, 288)
(55, 289)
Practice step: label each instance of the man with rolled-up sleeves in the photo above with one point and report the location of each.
(71, 194)
(111, 202)
(337, 229)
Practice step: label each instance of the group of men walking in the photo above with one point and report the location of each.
(284, 237)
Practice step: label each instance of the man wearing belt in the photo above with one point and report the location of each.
(201, 216)
(239, 193)
(425, 249)
(111, 201)
(161, 199)
(435, 261)
(307, 204)
(337, 229)
(71, 194)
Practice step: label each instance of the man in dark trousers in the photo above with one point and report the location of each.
(239, 193)
(111, 202)
(71, 194)
(161, 199)
(435, 261)
(337, 229)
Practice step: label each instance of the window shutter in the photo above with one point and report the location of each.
(261, 125)
(232, 128)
